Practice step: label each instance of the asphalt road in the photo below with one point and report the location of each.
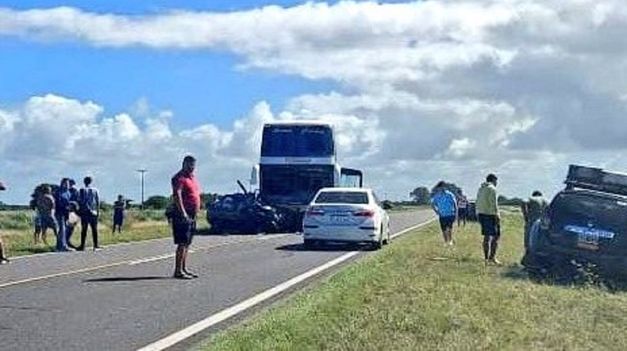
(123, 298)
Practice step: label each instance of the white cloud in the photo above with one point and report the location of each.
(425, 89)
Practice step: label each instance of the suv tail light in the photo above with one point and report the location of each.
(364, 213)
(315, 212)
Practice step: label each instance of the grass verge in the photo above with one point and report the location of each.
(419, 295)
(16, 229)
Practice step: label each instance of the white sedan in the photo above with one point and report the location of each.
(346, 215)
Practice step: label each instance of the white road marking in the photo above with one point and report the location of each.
(229, 312)
(132, 262)
(152, 259)
(43, 254)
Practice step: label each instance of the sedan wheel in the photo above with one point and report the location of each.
(309, 244)
(387, 237)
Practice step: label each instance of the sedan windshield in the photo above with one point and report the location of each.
(360, 198)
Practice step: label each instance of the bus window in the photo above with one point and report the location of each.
(297, 141)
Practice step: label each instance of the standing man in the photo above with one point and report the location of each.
(532, 210)
(3, 255)
(62, 200)
(462, 209)
(489, 218)
(118, 214)
(89, 203)
(186, 195)
(45, 211)
(445, 205)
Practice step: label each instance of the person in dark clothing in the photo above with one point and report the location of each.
(62, 199)
(3, 255)
(89, 202)
(118, 214)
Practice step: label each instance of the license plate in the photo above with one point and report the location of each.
(588, 238)
(588, 241)
(340, 220)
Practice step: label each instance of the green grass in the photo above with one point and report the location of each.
(417, 294)
(16, 228)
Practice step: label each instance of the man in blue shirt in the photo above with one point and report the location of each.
(444, 204)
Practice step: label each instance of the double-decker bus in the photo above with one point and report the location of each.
(298, 159)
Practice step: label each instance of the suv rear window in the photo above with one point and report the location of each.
(336, 197)
(584, 209)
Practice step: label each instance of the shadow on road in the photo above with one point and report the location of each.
(331, 247)
(125, 279)
(209, 232)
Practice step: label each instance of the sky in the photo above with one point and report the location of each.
(417, 91)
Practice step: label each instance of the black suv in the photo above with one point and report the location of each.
(585, 223)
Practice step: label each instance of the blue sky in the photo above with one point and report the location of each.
(460, 102)
(199, 86)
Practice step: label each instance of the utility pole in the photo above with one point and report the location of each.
(142, 172)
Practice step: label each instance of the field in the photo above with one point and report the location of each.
(417, 294)
(16, 228)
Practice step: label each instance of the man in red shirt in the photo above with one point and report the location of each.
(186, 194)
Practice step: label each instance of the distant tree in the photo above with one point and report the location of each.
(106, 206)
(421, 195)
(505, 201)
(207, 198)
(157, 202)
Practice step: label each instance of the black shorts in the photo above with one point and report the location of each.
(489, 225)
(447, 222)
(183, 230)
(462, 212)
(48, 222)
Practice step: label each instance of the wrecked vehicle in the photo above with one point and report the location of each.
(586, 223)
(242, 213)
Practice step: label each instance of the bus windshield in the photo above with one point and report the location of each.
(297, 141)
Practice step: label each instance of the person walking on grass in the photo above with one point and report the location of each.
(89, 203)
(445, 205)
(62, 210)
(489, 218)
(532, 210)
(186, 195)
(3, 255)
(118, 214)
(462, 209)
(46, 213)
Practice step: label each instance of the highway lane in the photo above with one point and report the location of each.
(123, 298)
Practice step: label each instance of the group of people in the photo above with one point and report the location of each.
(448, 206)
(63, 209)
